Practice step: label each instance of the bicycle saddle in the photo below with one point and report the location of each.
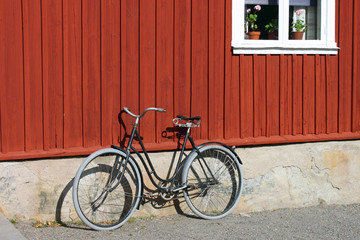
(197, 118)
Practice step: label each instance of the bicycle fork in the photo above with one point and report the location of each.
(117, 172)
(122, 164)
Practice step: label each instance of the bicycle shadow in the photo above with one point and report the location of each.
(91, 190)
(63, 205)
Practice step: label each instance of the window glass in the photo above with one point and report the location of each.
(305, 19)
(262, 17)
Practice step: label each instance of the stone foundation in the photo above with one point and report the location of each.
(281, 176)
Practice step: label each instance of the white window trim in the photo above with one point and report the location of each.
(326, 45)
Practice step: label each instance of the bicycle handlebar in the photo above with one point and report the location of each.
(127, 110)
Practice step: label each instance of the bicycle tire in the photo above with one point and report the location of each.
(214, 182)
(102, 205)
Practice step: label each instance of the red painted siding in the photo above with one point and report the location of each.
(67, 67)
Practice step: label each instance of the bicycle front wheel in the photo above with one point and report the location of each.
(214, 182)
(106, 192)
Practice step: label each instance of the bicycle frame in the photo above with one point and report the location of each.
(209, 173)
(150, 170)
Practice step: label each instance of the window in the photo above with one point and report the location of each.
(279, 21)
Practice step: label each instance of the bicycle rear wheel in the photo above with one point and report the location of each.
(102, 198)
(214, 182)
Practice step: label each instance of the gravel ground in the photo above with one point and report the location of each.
(321, 222)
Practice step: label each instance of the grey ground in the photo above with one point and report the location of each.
(321, 222)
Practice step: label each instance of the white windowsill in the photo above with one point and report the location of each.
(291, 47)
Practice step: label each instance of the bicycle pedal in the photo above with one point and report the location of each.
(151, 195)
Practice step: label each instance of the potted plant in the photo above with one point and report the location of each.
(272, 29)
(251, 19)
(298, 27)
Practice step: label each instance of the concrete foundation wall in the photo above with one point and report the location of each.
(294, 175)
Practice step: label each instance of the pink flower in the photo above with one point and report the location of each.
(299, 12)
(249, 10)
(257, 7)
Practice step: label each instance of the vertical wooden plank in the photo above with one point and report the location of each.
(91, 73)
(164, 63)
(345, 65)
(309, 94)
(72, 35)
(259, 95)
(1, 149)
(356, 69)
(52, 48)
(332, 83)
(130, 59)
(147, 67)
(273, 95)
(247, 96)
(1, 52)
(11, 76)
(182, 57)
(216, 68)
(320, 78)
(232, 100)
(232, 82)
(285, 95)
(33, 75)
(110, 71)
(332, 93)
(199, 65)
(297, 76)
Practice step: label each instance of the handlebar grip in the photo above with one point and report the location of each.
(161, 110)
(126, 110)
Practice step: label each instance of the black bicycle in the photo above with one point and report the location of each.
(108, 186)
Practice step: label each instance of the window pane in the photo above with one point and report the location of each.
(305, 18)
(265, 21)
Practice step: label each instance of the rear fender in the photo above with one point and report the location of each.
(224, 145)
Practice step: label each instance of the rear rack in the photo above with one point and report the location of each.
(187, 122)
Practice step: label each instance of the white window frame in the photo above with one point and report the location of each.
(326, 44)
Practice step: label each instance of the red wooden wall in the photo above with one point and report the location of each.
(67, 67)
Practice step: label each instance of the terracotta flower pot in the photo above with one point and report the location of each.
(297, 35)
(254, 35)
(273, 35)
